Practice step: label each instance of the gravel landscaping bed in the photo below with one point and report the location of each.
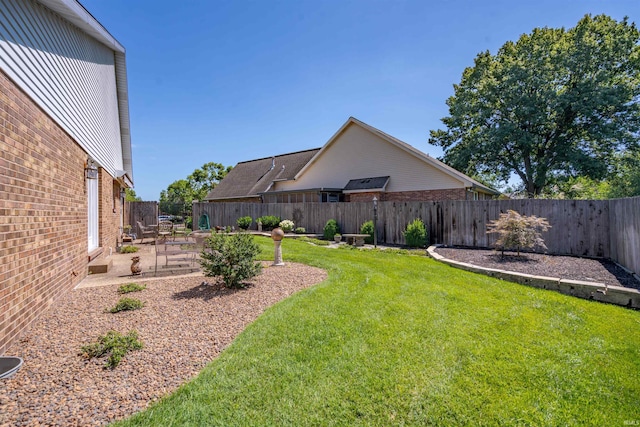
(183, 326)
(563, 267)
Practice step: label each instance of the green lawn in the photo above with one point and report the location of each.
(393, 339)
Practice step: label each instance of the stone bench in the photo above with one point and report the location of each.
(355, 239)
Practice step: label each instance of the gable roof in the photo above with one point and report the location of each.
(250, 178)
(468, 182)
(75, 13)
(254, 177)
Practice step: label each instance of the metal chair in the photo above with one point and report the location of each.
(180, 230)
(165, 229)
(146, 231)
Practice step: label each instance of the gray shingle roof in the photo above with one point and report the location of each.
(376, 183)
(248, 179)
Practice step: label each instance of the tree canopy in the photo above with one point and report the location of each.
(131, 196)
(179, 195)
(556, 105)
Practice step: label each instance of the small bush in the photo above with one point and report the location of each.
(416, 234)
(518, 232)
(300, 230)
(129, 249)
(115, 345)
(131, 287)
(244, 222)
(233, 257)
(286, 225)
(367, 228)
(269, 222)
(331, 228)
(126, 304)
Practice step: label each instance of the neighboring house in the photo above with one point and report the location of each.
(356, 164)
(65, 153)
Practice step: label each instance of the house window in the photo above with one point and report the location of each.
(331, 197)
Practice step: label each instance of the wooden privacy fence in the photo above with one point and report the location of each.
(145, 212)
(579, 227)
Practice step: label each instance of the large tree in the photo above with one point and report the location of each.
(555, 105)
(206, 178)
(179, 195)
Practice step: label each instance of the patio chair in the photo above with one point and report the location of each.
(165, 229)
(203, 222)
(180, 230)
(146, 231)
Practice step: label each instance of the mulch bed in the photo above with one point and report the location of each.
(563, 267)
(185, 324)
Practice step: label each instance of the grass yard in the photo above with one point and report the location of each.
(396, 339)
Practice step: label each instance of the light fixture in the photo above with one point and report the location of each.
(123, 193)
(91, 170)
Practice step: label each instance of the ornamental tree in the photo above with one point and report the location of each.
(555, 104)
(517, 232)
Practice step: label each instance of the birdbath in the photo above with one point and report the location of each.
(277, 235)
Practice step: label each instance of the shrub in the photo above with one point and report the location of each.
(331, 228)
(300, 230)
(131, 287)
(244, 222)
(233, 257)
(126, 304)
(286, 225)
(114, 344)
(416, 234)
(367, 228)
(517, 232)
(269, 222)
(129, 249)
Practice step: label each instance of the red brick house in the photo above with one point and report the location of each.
(65, 153)
(356, 164)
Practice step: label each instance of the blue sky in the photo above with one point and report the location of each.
(228, 81)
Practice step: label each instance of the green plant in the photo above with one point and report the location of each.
(300, 230)
(129, 249)
(244, 222)
(115, 345)
(405, 340)
(331, 228)
(126, 304)
(233, 257)
(131, 287)
(269, 222)
(317, 242)
(286, 225)
(516, 231)
(415, 234)
(367, 228)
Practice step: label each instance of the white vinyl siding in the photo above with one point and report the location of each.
(69, 74)
(358, 153)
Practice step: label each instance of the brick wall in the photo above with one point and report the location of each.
(411, 196)
(43, 212)
(109, 211)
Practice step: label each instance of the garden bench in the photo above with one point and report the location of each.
(355, 239)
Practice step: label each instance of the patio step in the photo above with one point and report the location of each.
(100, 265)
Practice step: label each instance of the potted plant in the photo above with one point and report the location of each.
(287, 225)
(126, 236)
(337, 238)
